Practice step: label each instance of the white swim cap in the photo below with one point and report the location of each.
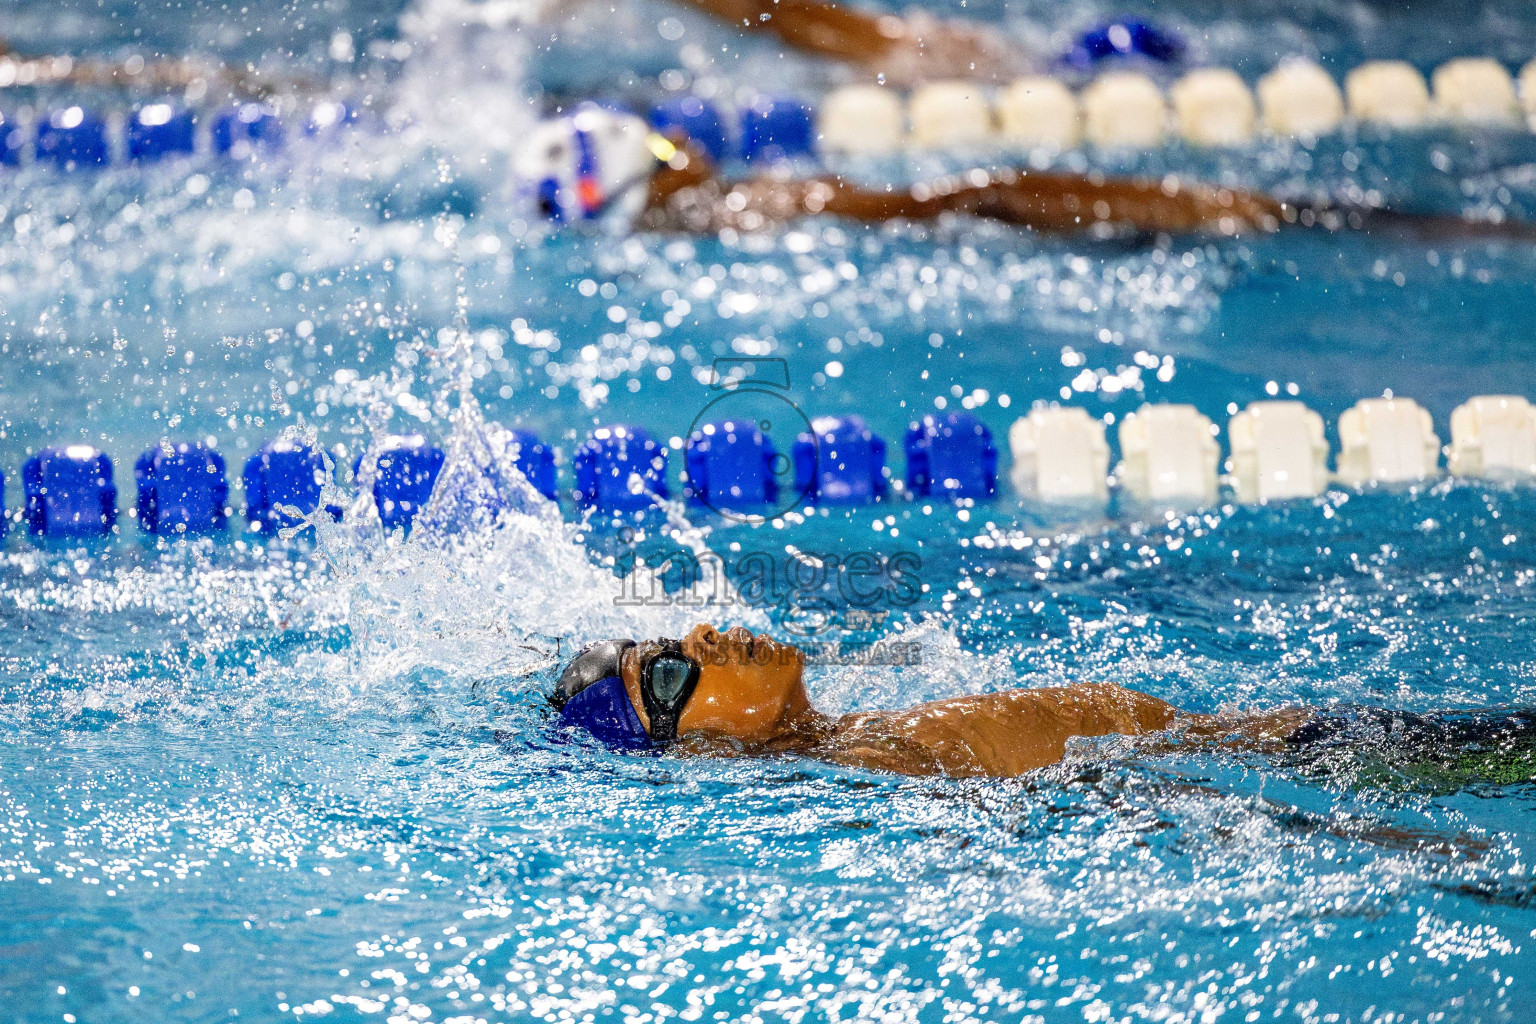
(588, 164)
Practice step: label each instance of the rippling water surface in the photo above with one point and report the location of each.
(280, 779)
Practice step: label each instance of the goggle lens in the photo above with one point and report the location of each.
(669, 678)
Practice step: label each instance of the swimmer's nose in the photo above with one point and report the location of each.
(742, 641)
(704, 633)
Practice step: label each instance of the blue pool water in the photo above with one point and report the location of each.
(276, 780)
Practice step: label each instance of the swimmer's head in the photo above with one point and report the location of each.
(730, 685)
(581, 166)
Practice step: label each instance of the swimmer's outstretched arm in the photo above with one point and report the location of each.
(138, 73)
(904, 50)
(994, 734)
(686, 195)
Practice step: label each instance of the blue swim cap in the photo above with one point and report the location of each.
(1126, 37)
(591, 696)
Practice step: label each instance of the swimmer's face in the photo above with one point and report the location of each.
(751, 688)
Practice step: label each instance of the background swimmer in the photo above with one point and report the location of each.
(137, 73)
(686, 194)
(733, 693)
(599, 162)
(902, 50)
(602, 164)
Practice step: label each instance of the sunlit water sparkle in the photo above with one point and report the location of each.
(278, 779)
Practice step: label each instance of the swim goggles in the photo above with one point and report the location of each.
(591, 696)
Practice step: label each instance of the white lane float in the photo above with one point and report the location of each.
(1493, 435)
(1387, 440)
(1168, 453)
(1387, 92)
(1300, 98)
(1124, 110)
(1039, 111)
(1527, 85)
(1060, 455)
(950, 114)
(861, 119)
(1278, 451)
(1213, 107)
(1475, 90)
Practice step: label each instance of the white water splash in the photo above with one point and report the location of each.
(491, 581)
(465, 87)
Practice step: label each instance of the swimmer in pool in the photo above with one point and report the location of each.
(733, 693)
(159, 75)
(686, 194)
(899, 50)
(600, 163)
(603, 165)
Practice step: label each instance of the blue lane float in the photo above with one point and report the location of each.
(73, 138)
(69, 492)
(841, 462)
(408, 466)
(951, 456)
(13, 142)
(536, 461)
(182, 489)
(159, 130)
(283, 473)
(696, 120)
(730, 465)
(619, 468)
(776, 128)
(245, 127)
